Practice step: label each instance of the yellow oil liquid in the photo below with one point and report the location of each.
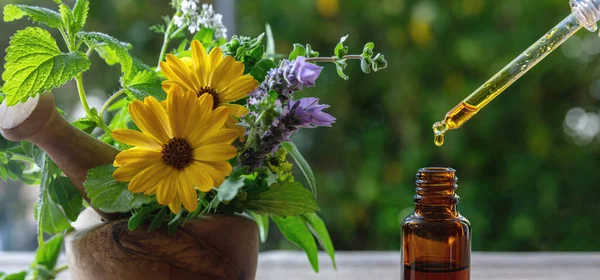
(466, 109)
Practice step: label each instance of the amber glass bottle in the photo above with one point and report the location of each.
(436, 239)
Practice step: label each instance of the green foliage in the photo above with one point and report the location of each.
(38, 14)
(263, 225)
(250, 52)
(138, 217)
(63, 192)
(34, 64)
(85, 124)
(319, 230)
(287, 199)
(303, 165)
(261, 68)
(44, 265)
(296, 231)
(80, 12)
(230, 187)
(49, 216)
(109, 195)
(145, 83)
(120, 49)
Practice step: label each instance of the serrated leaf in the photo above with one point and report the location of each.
(144, 84)
(38, 14)
(287, 199)
(299, 50)
(109, 195)
(319, 230)
(80, 12)
(261, 69)
(49, 216)
(293, 151)
(229, 188)
(296, 231)
(263, 225)
(68, 19)
(120, 48)
(63, 192)
(47, 255)
(34, 64)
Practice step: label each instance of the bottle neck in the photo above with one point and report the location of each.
(436, 192)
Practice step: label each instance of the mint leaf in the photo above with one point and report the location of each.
(63, 192)
(293, 151)
(260, 70)
(319, 230)
(68, 19)
(34, 64)
(230, 187)
(49, 216)
(38, 14)
(109, 195)
(296, 231)
(287, 199)
(121, 49)
(47, 255)
(145, 83)
(80, 12)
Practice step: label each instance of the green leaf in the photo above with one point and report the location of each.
(68, 19)
(158, 219)
(205, 36)
(341, 50)
(80, 12)
(3, 173)
(340, 65)
(261, 69)
(108, 54)
(287, 199)
(1, 96)
(299, 50)
(49, 216)
(38, 14)
(85, 124)
(319, 230)
(293, 151)
(144, 84)
(258, 53)
(48, 254)
(121, 49)
(140, 216)
(34, 64)
(230, 187)
(263, 225)
(365, 65)
(109, 195)
(15, 276)
(270, 41)
(63, 192)
(296, 231)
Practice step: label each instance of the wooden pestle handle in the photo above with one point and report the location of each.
(73, 150)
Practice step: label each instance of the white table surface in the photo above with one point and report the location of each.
(386, 265)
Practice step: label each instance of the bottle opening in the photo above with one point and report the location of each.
(433, 175)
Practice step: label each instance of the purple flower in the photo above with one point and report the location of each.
(306, 72)
(308, 113)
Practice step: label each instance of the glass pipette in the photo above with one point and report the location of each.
(584, 13)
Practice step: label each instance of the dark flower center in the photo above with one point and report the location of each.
(177, 153)
(212, 92)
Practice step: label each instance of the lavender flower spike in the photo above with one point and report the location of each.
(306, 72)
(308, 113)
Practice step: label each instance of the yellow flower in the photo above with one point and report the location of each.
(179, 149)
(212, 74)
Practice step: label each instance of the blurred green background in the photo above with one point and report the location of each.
(529, 163)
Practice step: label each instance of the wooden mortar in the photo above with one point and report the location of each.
(214, 247)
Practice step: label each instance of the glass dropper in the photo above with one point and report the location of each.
(584, 13)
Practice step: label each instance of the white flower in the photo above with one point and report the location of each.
(195, 20)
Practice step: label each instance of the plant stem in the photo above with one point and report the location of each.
(333, 58)
(22, 158)
(60, 269)
(177, 32)
(110, 100)
(86, 107)
(166, 41)
(249, 140)
(66, 38)
(90, 50)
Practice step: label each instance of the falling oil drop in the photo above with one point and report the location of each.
(439, 128)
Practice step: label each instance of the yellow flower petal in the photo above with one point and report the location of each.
(166, 192)
(180, 106)
(126, 172)
(214, 58)
(147, 178)
(182, 72)
(212, 123)
(136, 138)
(200, 62)
(175, 205)
(223, 73)
(151, 118)
(189, 62)
(236, 110)
(187, 192)
(226, 136)
(238, 89)
(199, 177)
(136, 155)
(214, 152)
(233, 124)
(218, 175)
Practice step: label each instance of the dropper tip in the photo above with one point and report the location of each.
(439, 129)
